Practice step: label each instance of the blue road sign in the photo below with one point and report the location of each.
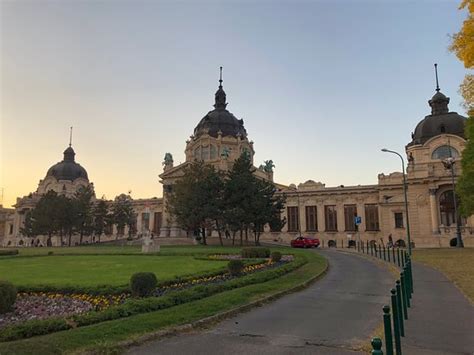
(357, 220)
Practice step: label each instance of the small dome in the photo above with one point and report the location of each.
(441, 121)
(67, 169)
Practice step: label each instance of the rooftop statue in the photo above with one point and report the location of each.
(168, 160)
(268, 167)
(225, 153)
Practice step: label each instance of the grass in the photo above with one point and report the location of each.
(456, 264)
(107, 336)
(93, 270)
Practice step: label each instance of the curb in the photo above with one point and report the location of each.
(219, 316)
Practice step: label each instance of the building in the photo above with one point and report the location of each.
(312, 209)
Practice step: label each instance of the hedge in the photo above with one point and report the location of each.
(4, 252)
(253, 252)
(135, 306)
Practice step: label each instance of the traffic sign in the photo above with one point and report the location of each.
(357, 220)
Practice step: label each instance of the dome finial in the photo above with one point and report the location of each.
(70, 136)
(436, 74)
(220, 78)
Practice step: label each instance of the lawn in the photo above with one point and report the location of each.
(93, 270)
(456, 264)
(107, 336)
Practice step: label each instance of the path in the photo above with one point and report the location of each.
(333, 316)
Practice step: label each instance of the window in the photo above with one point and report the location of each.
(371, 218)
(311, 219)
(197, 153)
(293, 219)
(398, 219)
(443, 152)
(205, 153)
(213, 152)
(157, 222)
(330, 215)
(11, 229)
(145, 221)
(446, 208)
(350, 212)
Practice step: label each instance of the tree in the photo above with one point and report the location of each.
(82, 206)
(465, 184)
(43, 219)
(101, 217)
(67, 217)
(195, 201)
(123, 214)
(463, 46)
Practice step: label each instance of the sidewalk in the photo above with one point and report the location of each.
(441, 319)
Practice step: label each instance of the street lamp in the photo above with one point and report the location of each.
(449, 165)
(405, 194)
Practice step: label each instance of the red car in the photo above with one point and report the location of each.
(305, 242)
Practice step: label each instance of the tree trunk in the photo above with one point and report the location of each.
(257, 238)
(233, 237)
(241, 236)
(247, 235)
(204, 241)
(219, 233)
(48, 241)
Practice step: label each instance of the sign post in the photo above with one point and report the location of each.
(357, 222)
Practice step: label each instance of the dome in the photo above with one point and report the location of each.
(220, 120)
(67, 169)
(441, 121)
(223, 121)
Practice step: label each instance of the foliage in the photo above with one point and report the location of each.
(101, 217)
(465, 184)
(143, 283)
(8, 252)
(255, 253)
(123, 213)
(7, 296)
(235, 267)
(463, 46)
(33, 328)
(83, 207)
(276, 256)
(196, 199)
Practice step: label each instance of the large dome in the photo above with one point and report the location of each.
(220, 120)
(441, 121)
(67, 169)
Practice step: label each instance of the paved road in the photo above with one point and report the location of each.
(333, 316)
(441, 319)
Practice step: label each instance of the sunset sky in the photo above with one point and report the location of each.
(322, 86)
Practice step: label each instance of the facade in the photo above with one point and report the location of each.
(312, 209)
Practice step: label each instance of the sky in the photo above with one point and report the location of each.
(322, 86)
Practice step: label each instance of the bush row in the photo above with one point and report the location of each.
(144, 305)
(7, 296)
(8, 252)
(255, 252)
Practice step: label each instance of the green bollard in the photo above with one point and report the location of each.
(387, 330)
(388, 254)
(404, 290)
(400, 309)
(411, 276)
(376, 346)
(384, 254)
(407, 284)
(402, 259)
(380, 251)
(398, 257)
(393, 254)
(396, 321)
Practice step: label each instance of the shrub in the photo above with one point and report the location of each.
(453, 242)
(50, 253)
(255, 252)
(8, 252)
(32, 328)
(143, 283)
(7, 296)
(235, 267)
(276, 256)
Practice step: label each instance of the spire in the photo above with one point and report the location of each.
(220, 96)
(436, 74)
(439, 102)
(69, 152)
(70, 136)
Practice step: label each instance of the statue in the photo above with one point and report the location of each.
(168, 160)
(268, 167)
(149, 245)
(225, 153)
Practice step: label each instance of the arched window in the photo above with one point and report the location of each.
(197, 153)
(213, 151)
(443, 152)
(446, 208)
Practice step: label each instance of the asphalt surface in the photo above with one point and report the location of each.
(333, 316)
(441, 319)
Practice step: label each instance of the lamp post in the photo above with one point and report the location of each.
(405, 195)
(449, 165)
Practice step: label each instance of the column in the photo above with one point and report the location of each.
(434, 212)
